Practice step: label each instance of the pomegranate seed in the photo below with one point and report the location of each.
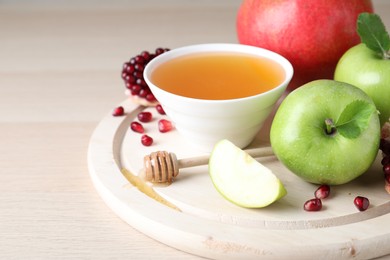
(385, 160)
(386, 168)
(312, 205)
(146, 55)
(137, 127)
(125, 65)
(118, 111)
(129, 85)
(142, 93)
(385, 146)
(322, 192)
(137, 75)
(150, 97)
(128, 68)
(129, 79)
(361, 203)
(160, 109)
(142, 83)
(124, 75)
(164, 125)
(387, 178)
(139, 59)
(132, 60)
(146, 140)
(145, 117)
(159, 51)
(135, 89)
(139, 67)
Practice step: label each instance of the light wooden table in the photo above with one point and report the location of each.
(59, 75)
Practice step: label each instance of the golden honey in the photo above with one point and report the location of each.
(218, 75)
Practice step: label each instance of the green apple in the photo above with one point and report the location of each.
(367, 65)
(363, 68)
(241, 179)
(326, 132)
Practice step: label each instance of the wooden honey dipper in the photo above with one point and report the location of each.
(162, 167)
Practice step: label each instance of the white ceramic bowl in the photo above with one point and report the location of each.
(205, 122)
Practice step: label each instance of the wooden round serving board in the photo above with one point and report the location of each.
(212, 227)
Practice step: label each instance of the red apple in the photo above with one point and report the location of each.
(311, 34)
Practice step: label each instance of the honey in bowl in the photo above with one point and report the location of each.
(218, 75)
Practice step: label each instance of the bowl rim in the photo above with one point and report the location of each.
(219, 47)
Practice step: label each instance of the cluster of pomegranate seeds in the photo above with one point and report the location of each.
(132, 74)
(118, 111)
(315, 204)
(361, 203)
(164, 126)
(385, 148)
(323, 191)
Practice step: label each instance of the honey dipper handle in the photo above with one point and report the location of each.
(203, 160)
(194, 161)
(260, 152)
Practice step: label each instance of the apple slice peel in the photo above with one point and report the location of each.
(241, 179)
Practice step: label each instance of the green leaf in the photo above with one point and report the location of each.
(373, 33)
(355, 118)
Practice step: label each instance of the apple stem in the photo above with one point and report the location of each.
(330, 127)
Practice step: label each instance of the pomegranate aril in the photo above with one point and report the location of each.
(146, 140)
(322, 192)
(137, 75)
(125, 65)
(361, 203)
(142, 82)
(385, 160)
(118, 111)
(313, 205)
(150, 97)
(137, 127)
(143, 93)
(387, 178)
(139, 59)
(129, 79)
(159, 51)
(139, 67)
(145, 117)
(164, 125)
(385, 146)
(386, 168)
(135, 89)
(160, 109)
(129, 68)
(146, 55)
(128, 85)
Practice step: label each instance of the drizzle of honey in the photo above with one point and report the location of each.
(146, 189)
(218, 75)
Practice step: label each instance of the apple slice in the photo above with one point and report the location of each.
(241, 179)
